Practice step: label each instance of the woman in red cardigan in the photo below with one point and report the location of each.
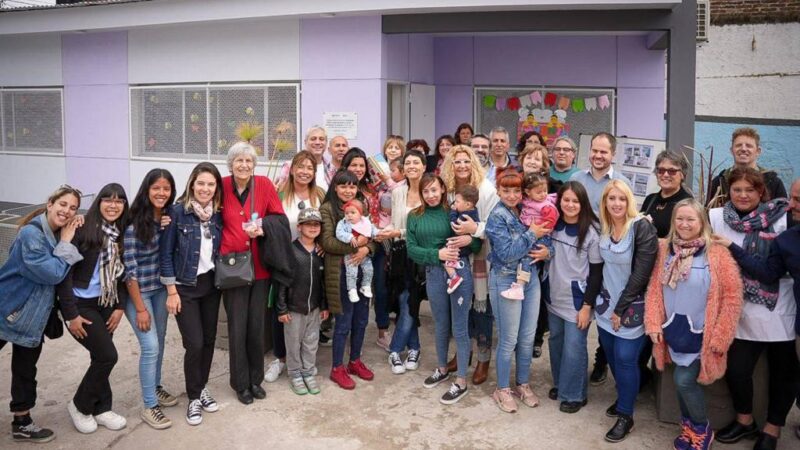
(245, 306)
(691, 312)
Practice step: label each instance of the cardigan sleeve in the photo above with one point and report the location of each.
(730, 298)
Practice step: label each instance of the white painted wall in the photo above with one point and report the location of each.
(252, 50)
(750, 71)
(30, 179)
(31, 60)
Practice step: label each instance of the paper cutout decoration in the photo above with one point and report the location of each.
(549, 99)
(500, 104)
(603, 102)
(514, 103)
(525, 101)
(591, 103)
(577, 104)
(536, 97)
(563, 102)
(488, 101)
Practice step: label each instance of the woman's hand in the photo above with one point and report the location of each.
(362, 241)
(174, 303)
(254, 232)
(656, 337)
(465, 225)
(165, 221)
(284, 318)
(721, 240)
(323, 315)
(539, 230)
(68, 230)
(584, 317)
(616, 321)
(448, 254)
(459, 241)
(541, 254)
(320, 251)
(143, 320)
(113, 322)
(387, 234)
(357, 257)
(75, 327)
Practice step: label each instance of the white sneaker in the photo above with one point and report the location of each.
(274, 370)
(194, 412)
(412, 360)
(352, 294)
(367, 291)
(396, 363)
(111, 420)
(83, 422)
(207, 401)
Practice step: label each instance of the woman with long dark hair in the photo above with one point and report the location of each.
(146, 308)
(92, 306)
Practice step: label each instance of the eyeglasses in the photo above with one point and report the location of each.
(562, 149)
(113, 201)
(670, 172)
(461, 162)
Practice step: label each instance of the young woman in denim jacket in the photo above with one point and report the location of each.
(188, 247)
(38, 260)
(146, 308)
(516, 320)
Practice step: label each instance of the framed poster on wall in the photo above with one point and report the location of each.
(551, 111)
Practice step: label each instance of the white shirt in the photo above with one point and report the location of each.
(757, 322)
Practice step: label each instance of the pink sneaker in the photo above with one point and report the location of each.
(515, 292)
(454, 283)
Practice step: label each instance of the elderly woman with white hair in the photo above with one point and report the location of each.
(245, 306)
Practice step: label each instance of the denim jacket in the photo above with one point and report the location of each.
(37, 262)
(510, 239)
(179, 253)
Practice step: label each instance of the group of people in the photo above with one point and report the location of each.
(521, 242)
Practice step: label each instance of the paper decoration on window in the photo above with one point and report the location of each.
(525, 101)
(591, 103)
(603, 102)
(514, 103)
(577, 104)
(500, 104)
(563, 102)
(550, 124)
(536, 97)
(549, 99)
(488, 101)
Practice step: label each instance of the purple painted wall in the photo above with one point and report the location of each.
(95, 74)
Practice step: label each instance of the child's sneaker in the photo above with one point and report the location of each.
(339, 376)
(352, 294)
(396, 363)
(454, 283)
(412, 360)
(367, 291)
(311, 384)
(515, 292)
(298, 386)
(359, 369)
(454, 394)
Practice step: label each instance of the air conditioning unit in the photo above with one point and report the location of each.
(703, 20)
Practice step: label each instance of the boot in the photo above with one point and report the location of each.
(452, 365)
(481, 373)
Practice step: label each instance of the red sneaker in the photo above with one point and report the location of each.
(359, 369)
(454, 283)
(339, 376)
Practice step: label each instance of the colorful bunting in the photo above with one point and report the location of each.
(525, 101)
(563, 102)
(514, 103)
(591, 103)
(603, 102)
(536, 97)
(500, 104)
(577, 104)
(549, 99)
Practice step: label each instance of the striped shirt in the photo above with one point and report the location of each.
(141, 260)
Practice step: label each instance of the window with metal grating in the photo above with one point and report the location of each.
(32, 121)
(200, 122)
(703, 20)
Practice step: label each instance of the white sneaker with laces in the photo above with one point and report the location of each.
(111, 420)
(396, 363)
(412, 360)
(274, 370)
(194, 412)
(84, 423)
(207, 401)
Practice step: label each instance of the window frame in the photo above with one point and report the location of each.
(209, 157)
(4, 150)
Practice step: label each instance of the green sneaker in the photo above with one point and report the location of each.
(298, 386)
(311, 384)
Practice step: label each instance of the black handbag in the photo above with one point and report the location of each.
(236, 269)
(54, 328)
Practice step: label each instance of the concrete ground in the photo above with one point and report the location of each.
(392, 411)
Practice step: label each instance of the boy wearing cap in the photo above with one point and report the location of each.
(302, 306)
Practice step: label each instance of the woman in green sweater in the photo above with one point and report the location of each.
(427, 239)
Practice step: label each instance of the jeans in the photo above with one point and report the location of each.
(23, 376)
(481, 325)
(94, 396)
(568, 359)
(351, 273)
(197, 323)
(623, 358)
(245, 307)
(351, 321)
(381, 292)
(406, 331)
(691, 398)
(450, 311)
(516, 325)
(151, 342)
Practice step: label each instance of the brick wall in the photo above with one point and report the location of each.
(725, 12)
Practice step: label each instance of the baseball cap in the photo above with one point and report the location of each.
(309, 215)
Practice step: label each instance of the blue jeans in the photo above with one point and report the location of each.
(691, 398)
(381, 293)
(406, 331)
(351, 321)
(568, 359)
(516, 324)
(450, 311)
(151, 342)
(623, 358)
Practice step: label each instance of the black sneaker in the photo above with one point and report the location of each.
(621, 429)
(453, 395)
(435, 379)
(31, 433)
(611, 411)
(599, 374)
(324, 340)
(553, 394)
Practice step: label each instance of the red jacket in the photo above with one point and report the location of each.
(234, 238)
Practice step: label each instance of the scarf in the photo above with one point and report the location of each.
(680, 264)
(202, 213)
(759, 233)
(111, 267)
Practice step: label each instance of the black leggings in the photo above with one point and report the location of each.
(783, 377)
